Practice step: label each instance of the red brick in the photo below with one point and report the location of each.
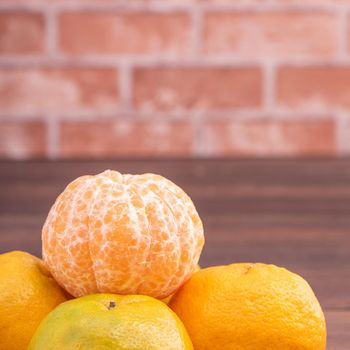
(282, 34)
(172, 2)
(128, 33)
(50, 2)
(348, 34)
(311, 2)
(300, 3)
(124, 138)
(344, 137)
(196, 88)
(314, 87)
(21, 33)
(270, 138)
(58, 90)
(21, 140)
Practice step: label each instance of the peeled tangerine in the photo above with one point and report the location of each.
(124, 234)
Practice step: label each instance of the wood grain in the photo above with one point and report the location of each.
(293, 213)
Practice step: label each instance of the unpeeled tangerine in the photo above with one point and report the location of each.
(125, 234)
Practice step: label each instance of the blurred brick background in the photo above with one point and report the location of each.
(104, 78)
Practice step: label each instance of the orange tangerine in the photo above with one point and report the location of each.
(27, 294)
(252, 307)
(109, 321)
(124, 234)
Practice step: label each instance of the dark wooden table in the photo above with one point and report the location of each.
(293, 213)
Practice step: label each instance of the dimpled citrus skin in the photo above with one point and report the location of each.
(112, 322)
(27, 294)
(124, 234)
(250, 307)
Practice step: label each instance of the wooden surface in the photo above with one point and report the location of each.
(291, 213)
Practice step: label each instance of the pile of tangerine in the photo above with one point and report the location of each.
(118, 243)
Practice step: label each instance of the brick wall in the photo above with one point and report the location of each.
(104, 78)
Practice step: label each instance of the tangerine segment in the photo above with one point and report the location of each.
(125, 234)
